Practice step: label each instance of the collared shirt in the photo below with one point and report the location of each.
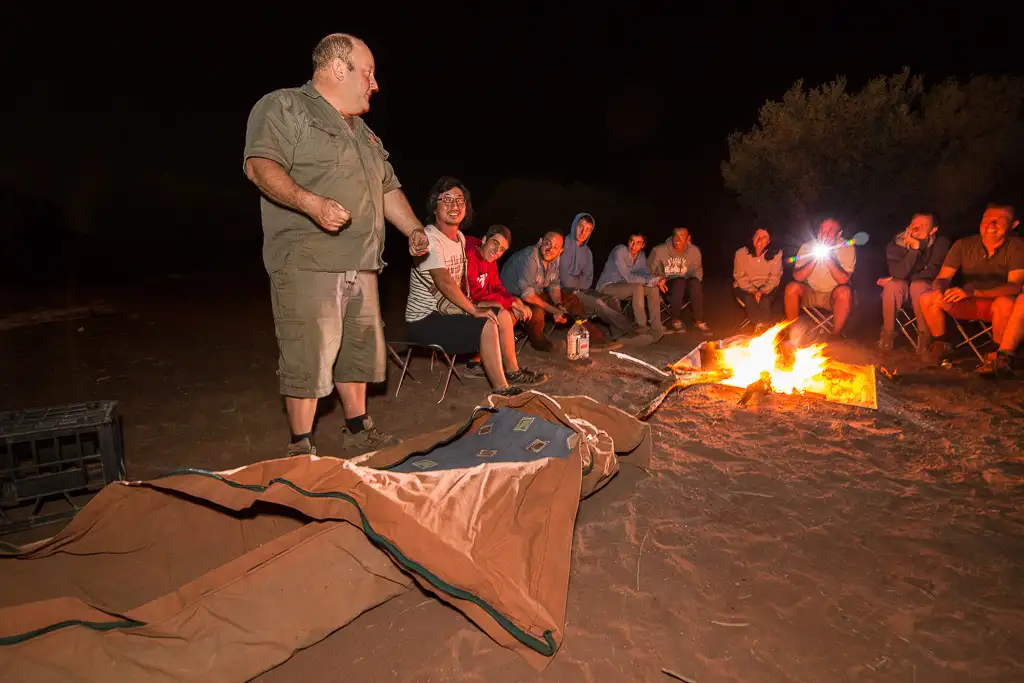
(301, 131)
(525, 273)
(977, 268)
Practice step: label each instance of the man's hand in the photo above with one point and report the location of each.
(953, 295)
(521, 311)
(559, 314)
(327, 213)
(663, 286)
(486, 313)
(882, 280)
(913, 243)
(757, 296)
(419, 245)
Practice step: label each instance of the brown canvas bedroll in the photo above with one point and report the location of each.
(202, 576)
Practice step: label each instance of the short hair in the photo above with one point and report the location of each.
(1004, 207)
(553, 233)
(334, 46)
(499, 230)
(681, 227)
(931, 214)
(637, 234)
(442, 185)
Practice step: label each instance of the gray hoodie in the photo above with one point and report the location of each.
(665, 262)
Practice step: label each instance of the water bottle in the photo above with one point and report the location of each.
(578, 346)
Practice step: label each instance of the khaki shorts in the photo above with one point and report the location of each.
(328, 330)
(816, 299)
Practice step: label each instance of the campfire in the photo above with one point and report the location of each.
(766, 364)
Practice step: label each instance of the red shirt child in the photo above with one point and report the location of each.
(482, 277)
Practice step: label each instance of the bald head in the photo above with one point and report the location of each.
(334, 46)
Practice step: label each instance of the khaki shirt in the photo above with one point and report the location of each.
(300, 130)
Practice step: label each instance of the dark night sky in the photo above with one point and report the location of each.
(145, 117)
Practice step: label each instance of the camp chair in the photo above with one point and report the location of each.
(666, 308)
(746, 318)
(436, 351)
(908, 325)
(823, 319)
(983, 330)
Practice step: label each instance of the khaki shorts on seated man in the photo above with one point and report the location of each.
(991, 267)
(821, 276)
(438, 310)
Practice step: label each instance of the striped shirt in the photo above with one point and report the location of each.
(444, 253)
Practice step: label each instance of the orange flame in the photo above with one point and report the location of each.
(748, 360)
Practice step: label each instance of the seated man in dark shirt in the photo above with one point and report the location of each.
(914, 257)
(991, 266)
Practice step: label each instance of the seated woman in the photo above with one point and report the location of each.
(625, 276)
(756, 273)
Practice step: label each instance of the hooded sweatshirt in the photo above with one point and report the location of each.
(620, 267)
(576, 269)
(482, 277)
(916, 264)
(666, 262)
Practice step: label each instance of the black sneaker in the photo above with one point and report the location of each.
(998, 366)
(473, 371)
(507, 392)
(524, 376)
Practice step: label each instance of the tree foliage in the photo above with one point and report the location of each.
(872, 157)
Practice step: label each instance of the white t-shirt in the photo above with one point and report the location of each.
(820, 279)
(444, 253)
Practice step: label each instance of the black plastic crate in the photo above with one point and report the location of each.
(50, 458)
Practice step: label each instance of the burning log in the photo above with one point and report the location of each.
(761, 387)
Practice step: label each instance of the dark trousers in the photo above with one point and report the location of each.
(535, 325)
(678, 289)
(757, 312)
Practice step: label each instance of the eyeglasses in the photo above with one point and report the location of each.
(458, 201)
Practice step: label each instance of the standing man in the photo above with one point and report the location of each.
(327, 187)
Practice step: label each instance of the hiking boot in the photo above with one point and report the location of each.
(996, 366)
(885, 341)
(703, 328)
(473, 371)
(657, 333)
(542, 345)
(371, 438)
(639, 339)
(507, 392)
(676, 325)
(924, 342)
(939, 353)
(524, 376)
(301, 447)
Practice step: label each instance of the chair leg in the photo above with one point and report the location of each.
(405, 370)
(448, 380)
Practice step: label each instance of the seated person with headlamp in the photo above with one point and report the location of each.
(821, 275)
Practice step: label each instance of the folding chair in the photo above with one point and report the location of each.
(666, 309)
(747, 318)
(435, 351)
(823, 320)
(908, 325)
(984, 328)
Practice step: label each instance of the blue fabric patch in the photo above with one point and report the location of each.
(506, 436)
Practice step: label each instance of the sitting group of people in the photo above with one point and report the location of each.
(922, 266)
(460, 301)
